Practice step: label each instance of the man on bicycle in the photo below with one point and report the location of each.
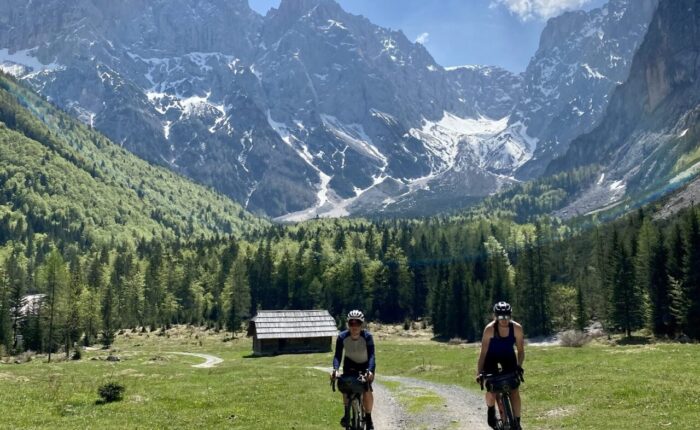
(358, 346)
(500, 335)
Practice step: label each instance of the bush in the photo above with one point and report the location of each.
(110, 392)
(77, 354)
(574, 338)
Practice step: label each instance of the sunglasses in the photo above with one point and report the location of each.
(354, 323)
(503, 317)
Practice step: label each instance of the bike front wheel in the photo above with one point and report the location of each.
(508, 418)
(356, 421)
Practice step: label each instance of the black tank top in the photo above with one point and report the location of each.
(502, 346)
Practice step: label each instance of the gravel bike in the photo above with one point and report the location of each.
(354, 388)
(502, 384)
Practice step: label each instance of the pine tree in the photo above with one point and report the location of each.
(5, 318)
(283, 281)
(237, 292)
(16, 284)
(691, 273)
(399, 296)
(54, 276)
(357, 286)
(75, 288)
(627, 312)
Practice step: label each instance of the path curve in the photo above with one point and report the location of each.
(211, 360)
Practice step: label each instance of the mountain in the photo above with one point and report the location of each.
(61, 179)
(647, 142)
(310, 110)
(582, 57)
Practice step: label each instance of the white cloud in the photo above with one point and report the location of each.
(423, 38)
(539, 9)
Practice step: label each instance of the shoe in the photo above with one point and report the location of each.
(345, 421)
(369, 425)
(492, 421)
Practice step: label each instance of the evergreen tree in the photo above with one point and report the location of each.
(357, 286)
(691, 273)
(75, 287)
(283, 281)
(396, 305)
(238, 293)
(16, 285)
(627, 312)
(5, 318)
(54, 277)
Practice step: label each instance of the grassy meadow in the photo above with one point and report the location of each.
(595, 387)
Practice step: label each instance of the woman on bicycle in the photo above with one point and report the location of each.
(358, 346)
(500, 336)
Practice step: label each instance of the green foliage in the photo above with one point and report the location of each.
(532, 200)
(60, 178)
(111, 392)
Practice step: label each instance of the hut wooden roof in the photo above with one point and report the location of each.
(292, 324)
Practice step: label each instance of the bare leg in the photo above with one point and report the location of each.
(515, 396)
(490, 399)
(368, 401)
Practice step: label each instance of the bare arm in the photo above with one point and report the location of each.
(520, 343)
(485, 341)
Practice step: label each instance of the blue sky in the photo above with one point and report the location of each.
(456, 32)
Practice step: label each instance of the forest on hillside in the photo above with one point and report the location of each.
(630, 274)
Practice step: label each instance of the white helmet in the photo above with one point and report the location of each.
(356, 315)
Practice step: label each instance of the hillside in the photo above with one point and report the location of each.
(61, 178)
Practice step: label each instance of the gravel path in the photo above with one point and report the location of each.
(211, 360)
(460, 409)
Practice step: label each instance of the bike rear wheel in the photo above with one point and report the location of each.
(508, 417)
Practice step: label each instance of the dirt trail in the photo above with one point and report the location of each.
(211, 360)
(459, 409)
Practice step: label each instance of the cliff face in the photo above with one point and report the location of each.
(647, 140)
(581, 59)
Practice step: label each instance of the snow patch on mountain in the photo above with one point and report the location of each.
(355, 137)
(510, 149)
(24, 62)
(445, 138)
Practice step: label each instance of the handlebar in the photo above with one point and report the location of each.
(484, 376)
(362, 377)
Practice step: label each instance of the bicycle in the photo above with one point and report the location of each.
(354, 388)
(501, 385)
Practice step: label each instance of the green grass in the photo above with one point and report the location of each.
(595, 387)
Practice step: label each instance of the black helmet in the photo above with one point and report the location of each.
(502, 308)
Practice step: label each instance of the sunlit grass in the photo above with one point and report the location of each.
(594, 387)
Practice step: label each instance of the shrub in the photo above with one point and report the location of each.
(77, 354)
(574, 338)
(110, 392)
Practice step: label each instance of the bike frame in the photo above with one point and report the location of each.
(506, 417)
(355, 407)
(357, 412)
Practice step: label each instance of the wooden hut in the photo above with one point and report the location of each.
(280, 332)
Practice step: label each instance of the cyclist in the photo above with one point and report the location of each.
(358, 346)
(500, 335)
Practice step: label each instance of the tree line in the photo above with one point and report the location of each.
(629, 274)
